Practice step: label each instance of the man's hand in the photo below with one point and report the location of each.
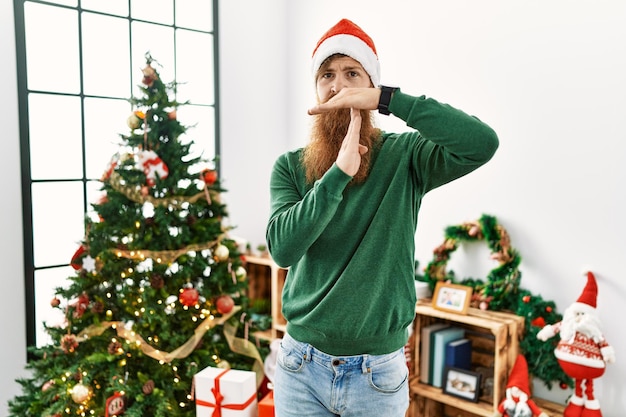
(350, 98)
(349, 156)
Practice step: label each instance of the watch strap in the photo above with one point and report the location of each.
(385, 98)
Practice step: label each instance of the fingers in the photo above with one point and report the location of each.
(358, 98)
(349, 156)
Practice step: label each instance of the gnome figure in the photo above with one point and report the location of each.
(582, 351)
(517, 402)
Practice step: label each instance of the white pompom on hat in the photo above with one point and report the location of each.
(348, 39)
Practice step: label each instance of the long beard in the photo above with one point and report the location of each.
(328, 131)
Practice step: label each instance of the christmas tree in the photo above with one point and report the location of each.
(159, 289)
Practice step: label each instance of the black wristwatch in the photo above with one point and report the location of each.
(385, 98)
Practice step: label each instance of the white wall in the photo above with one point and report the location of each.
(547, 75)
(12, 309)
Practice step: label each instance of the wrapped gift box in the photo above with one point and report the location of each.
(231, 391)
(266, 405)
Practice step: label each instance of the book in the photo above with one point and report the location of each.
(425, 353)
(459, 354)
(440, 339)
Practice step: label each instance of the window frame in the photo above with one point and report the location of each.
(24, 135)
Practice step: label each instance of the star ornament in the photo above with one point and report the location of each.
(89, 264)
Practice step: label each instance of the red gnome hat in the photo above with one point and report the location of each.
(519, 375)
(588, 299)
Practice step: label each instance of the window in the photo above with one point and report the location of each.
(79, 61)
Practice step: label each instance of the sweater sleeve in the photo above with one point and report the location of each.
(454, 144)
(297, 221)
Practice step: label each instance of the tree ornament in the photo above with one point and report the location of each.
(148, 387)
(223, 364)
(157, 282)
(221, 252)
(55, 302)
(241, 273)
(115, 405)
(209, 176)
(76, 261)
(69, 343)
(582, 350)
(171, 115)
(133, 121)
(149, 75)
(81, 393)
(152, 166)
(224, 304)
(189, 297)
(47, 385)
(115, 348)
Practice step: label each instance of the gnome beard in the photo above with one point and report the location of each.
(574, 320)
(329, 130)
(517, 409)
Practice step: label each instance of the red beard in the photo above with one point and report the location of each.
(329, 130)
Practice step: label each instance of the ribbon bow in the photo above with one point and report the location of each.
(217, 411)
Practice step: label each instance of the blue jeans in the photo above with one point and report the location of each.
(310, 383)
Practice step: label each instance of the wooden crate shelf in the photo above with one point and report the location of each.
(266, 281)
(495, 339)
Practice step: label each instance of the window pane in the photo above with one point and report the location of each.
(106, 58)
(105, 120)
(58, 221)
(195, 14)
(52, 48)
(194, 64)
(157, 40)
(161, 11)
(117, 7)
(200, 122)
(71, 3)
(46, 280)
(55, 136)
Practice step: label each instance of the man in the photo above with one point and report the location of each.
(343, 219)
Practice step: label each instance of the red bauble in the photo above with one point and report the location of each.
(189, 297)
(209, 176)
(224, 304)
(526, 298)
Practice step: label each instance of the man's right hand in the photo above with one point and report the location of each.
(349, 156)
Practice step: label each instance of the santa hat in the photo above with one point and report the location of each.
(348, 39)
(587, 300)
(519, 376)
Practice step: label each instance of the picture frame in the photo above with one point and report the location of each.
(452, 297)
(461, 383)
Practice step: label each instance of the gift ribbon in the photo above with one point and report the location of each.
(217, 412)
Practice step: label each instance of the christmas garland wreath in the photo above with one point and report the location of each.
(502, 282)
(501, 291)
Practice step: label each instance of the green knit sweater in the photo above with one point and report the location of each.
(350, 249)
